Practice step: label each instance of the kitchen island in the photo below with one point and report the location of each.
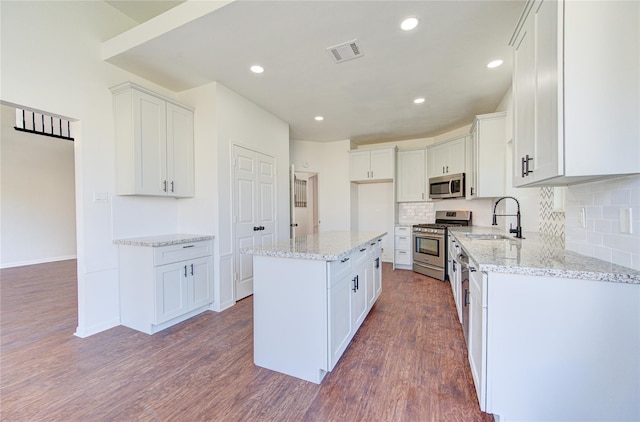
(310, 296)
(552, 334)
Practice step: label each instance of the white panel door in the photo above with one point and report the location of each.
(253, 210)
(266, 214)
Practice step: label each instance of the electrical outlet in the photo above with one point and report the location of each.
(624, 220)
(582, 217)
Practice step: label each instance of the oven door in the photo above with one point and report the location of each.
(429, 249)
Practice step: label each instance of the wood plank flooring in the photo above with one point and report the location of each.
(408, 362)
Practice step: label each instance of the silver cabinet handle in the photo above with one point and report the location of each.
(185, 271)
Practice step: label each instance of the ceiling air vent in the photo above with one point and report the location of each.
(345, 51)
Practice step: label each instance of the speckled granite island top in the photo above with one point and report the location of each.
(162, 240)
(538, 255)
(328, 246)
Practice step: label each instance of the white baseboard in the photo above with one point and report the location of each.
(37, 261)
(89, 331)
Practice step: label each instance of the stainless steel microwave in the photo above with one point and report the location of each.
(449, 186)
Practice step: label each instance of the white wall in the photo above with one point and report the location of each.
(37, 204)
(375, 213)
(331, 162)
(66, 77)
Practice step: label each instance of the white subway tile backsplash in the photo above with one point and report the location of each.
(621, 258)
(602, 226)
(603, 201)
(621, 197)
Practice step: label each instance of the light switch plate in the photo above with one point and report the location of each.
(624, 220)
(582, 217)
(101, 197)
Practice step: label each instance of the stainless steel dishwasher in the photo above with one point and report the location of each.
(465, 268)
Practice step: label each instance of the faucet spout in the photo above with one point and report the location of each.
(518, 229)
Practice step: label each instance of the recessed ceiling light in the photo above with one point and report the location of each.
(257, 69)
(419, 100)
(409, 23)
(319, 118)
(494, 63)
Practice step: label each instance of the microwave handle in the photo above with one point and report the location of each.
(451, 186)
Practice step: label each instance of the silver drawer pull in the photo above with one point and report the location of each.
(189, 246)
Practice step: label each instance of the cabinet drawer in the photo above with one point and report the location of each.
(337, 269)
(403, 242)
(403, 231)
(174, 253)
(403, 257)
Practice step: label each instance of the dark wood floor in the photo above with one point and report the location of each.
(407, 363)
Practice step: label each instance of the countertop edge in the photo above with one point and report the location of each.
(162, 240)
(311, 256)
(569, 273)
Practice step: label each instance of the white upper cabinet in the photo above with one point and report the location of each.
(374, 165)
(447, 158)
(411, 183)
(154, 144)
(575, 88)
(486, 170)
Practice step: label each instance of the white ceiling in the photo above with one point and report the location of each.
(367, 100)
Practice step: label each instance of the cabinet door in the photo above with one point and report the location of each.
(412, 178)
(150, 144)
(477, 336)
(382, 164)
(171, 296)
(180, 170)
(358, 289)
(340, 321)
(455, 156)
(437, 160)
(377, 278)
(359, 165)
(200, 282)
(547, 156)
(488, 167)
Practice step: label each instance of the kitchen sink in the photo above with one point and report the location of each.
(488, 236)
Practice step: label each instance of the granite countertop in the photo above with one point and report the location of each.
(327, 246)
(162, 240)
(538, 255)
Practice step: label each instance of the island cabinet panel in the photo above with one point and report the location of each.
(290, 314)
(306, 311)
(561, 349)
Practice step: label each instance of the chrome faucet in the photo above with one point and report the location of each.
(518, 229)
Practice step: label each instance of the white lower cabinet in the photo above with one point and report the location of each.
(552, 348)
(477, 346)
(161, 286)
(402, 255)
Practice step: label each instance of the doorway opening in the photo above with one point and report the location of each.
(38, 193)
(304, 203)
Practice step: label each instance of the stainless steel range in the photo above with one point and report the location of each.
(430, 243)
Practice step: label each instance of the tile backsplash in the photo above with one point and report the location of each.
(604, 202)
(551, 221)
(416, 212)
